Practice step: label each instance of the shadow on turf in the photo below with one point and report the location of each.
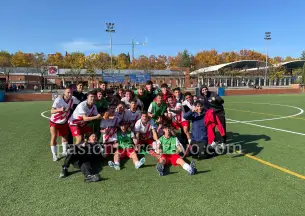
(248, 143)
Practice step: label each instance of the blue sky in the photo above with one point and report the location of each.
(169, 26)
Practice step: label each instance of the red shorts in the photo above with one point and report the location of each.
(171, 159)
(108, 148)
(126, 152)
(178, 125)
(147, 142)
(62, 129)
(78, 131)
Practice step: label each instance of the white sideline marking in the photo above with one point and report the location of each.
(272, 128)
(42, 114)
(301, 111)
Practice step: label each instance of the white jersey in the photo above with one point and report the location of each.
(82, 109)
(186, 103)
(132, 117)
(178, 117)
(62, 117)
(110, 126)
(145, 130)
(140, 104)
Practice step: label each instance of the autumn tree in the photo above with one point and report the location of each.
(122, 61)
(207, 58)
(56, 59)
(39, 62)
(160, 62)
(5, 64)
(76, 61)
(142, 63)
(20, 59)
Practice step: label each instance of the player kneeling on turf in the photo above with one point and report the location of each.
(86, 157)
(126, 141)
(167, 147)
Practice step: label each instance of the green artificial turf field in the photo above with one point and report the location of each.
(231, 184)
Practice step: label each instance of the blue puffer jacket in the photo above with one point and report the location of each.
(199, 131)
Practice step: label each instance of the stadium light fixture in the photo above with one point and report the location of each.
(267, 38)
(110, 30)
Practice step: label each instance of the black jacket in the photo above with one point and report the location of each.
(211, 100)
(79, 154)
(80, 96)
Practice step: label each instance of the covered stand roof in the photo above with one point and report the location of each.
(232, 65)
(248, 65)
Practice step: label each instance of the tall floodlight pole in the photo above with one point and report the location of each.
(110, 30)
(267, 37)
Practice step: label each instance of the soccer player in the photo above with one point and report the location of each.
(146, 134)
(125, 145)
(103, 86)
(199, 137)
(129, 97)
(188, 104)
(165, 93)
(86, 157)
(132, 115)
(178, 95)
(142, 95)
(167, 147)
(102, 106)
(157, 108)
(215, 102)
(108, 126)
(175, 113)
(60, 113)
(120, 111)
(81, 97)
(150, 91)
(85, 112)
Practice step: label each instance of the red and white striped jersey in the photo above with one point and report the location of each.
(132, 117)
(62, 117)
(145, 130)
(82, 109)
(110, 126)
(178, 117)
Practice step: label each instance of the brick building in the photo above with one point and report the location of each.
(174, 77)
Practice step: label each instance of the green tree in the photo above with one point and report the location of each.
(5, 64)
(303, 55)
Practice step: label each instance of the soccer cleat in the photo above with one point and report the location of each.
(64, 173)
(214, 145)
(64, 154)
(92, 178)
(113, 165)
(55, 158)
(193, 166)
(160, 169)
(110, 164)
(140, 163)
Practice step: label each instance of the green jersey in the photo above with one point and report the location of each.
(125, 139)
(169, 145)
(157, 110)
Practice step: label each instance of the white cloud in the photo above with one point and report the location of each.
(82, 46)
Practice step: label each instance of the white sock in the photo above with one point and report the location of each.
(187, 167)
(64, 147)
(117, 163)
(54, 150)
(137, 163)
